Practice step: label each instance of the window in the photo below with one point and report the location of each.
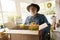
(8, 9)
(24, 11)
(8, 5)
(1, 22)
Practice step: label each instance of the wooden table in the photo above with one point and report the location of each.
(23, 34)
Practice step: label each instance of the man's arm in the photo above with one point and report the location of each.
(47, 29)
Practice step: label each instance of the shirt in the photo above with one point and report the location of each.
(39, 19)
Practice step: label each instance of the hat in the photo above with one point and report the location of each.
(33, 5)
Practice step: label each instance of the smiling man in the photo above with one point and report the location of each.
(37, 18)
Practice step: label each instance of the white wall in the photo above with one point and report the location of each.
(57, 10)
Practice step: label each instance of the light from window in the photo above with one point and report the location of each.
(24, 11)
(1, 19)
(8, 5)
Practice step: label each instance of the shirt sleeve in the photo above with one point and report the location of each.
(47, 29)
(27, 21)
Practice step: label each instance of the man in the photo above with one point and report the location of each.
(37, 18)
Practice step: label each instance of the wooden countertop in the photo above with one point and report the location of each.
(29, 32)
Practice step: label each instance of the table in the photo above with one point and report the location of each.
(23, 34)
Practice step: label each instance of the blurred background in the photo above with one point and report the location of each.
(15, 10)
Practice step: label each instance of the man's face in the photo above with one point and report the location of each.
(33, 11)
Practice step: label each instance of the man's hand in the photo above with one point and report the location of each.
(42, 26)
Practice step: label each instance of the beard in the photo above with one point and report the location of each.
(33, 13)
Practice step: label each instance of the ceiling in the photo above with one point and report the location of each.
(32, 1)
